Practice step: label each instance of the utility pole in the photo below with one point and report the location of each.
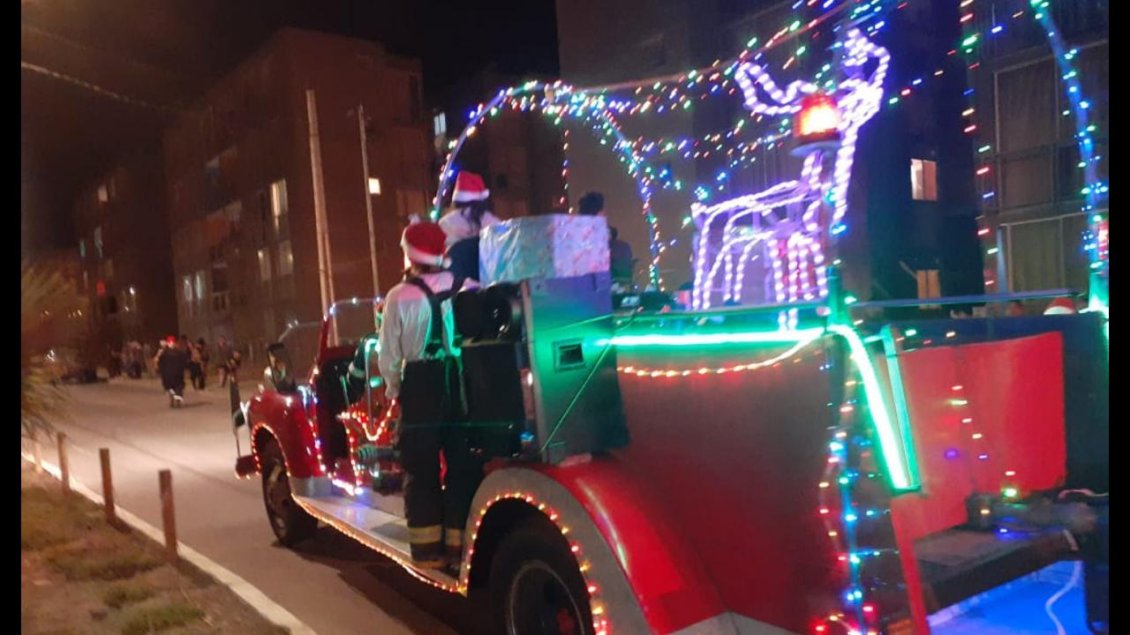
(368, 198)
(321, 226)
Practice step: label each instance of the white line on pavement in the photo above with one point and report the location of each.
(253, 596)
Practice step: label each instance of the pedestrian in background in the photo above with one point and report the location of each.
(223, 354)
(231, 367)
(171, 363)
(203, 355)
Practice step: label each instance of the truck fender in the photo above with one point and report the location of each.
(642, 578)
(282, 418)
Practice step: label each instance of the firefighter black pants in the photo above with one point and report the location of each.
(436, 509)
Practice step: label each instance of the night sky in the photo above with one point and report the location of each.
(165, 52)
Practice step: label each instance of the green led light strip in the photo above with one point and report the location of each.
(776, 336)
(898, 394)
(897, 453)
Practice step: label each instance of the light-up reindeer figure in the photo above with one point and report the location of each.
(792, 221)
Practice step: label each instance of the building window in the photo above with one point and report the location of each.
(186, 294)
(200, 286)
(439, 125)
(374, 186)
(928, 284)
(1046, 254)
(279, 204)
(286, 259)
(103, 194)
(82, 249)
(923, 180)
(98, 242)
(264, 265)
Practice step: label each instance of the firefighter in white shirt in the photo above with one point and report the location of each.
(420, 368)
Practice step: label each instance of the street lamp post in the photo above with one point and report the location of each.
(368, 197)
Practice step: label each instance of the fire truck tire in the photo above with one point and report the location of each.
(536, 587)
(290, 522)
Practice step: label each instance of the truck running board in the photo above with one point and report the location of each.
(378, 530)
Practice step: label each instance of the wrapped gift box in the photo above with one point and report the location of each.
(549, 246)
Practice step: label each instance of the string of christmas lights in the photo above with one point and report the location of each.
(853, 519)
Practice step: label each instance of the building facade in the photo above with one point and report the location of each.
(125, 268)
(911, 225)
(249, 176)
(1028, 173)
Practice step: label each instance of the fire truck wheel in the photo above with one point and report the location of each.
(536, 587)
(290, 522)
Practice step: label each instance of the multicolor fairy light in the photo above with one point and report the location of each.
(1094, 190)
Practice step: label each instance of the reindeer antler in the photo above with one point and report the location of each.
(787, 101)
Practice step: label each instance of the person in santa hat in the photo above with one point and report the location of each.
(469, 214)
(419, 365)
(1060, 306)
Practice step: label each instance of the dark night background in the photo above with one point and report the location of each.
(166, 52)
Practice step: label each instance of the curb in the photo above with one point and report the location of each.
(258, 600)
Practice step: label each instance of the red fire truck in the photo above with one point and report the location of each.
(809, 467)
(709, 472)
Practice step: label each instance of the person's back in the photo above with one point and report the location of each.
(406, 325)
(421, 374)
(171, 364)
(621, 261)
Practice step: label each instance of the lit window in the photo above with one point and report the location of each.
(928, 284)
(264, 265)
(278, 203)
(98, 241)
(82, 249)
(200, 285)
(186, 294)
(923, 180)
(286, 258)
(439, 124)
(103, 194)
(374, 185)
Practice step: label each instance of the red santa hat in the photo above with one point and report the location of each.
(1060, 306)
(423, 244)
(469, 187)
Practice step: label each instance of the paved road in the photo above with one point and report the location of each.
(332, 584)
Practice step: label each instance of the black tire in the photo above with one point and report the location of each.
(289, 521)
(536, 587)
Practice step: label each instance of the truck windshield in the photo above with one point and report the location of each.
(351, 321)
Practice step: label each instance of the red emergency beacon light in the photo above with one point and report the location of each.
(817, 124)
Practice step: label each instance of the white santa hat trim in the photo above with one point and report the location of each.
(1058, 310)
(468, 197)
(421, 257)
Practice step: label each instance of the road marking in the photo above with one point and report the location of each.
(258, 600)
